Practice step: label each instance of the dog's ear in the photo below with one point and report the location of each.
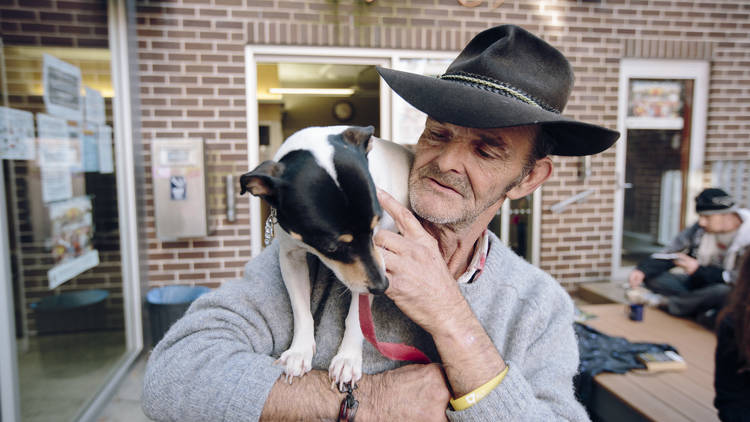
(359, 136)
(263, 181)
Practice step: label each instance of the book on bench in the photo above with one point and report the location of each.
(662, 361)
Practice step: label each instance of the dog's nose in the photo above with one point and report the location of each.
(377, 290)
(378, 287)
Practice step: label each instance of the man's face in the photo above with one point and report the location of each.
(717, 223)
(460, 172)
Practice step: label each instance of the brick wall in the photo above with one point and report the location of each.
(191, 58)
(30, 27)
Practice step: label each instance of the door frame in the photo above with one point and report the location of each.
(390, 58)
(633, 68)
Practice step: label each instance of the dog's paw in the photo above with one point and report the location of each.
(297, 361)
(345, 367)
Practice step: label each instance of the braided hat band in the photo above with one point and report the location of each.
(498, 88)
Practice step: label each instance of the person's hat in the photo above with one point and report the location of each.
(504, 77)
(714, 201)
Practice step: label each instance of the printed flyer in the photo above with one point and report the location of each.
(95, 111)
(106, 164)
(90, 145)
(62, 88)
(70, 244)
(16, 134)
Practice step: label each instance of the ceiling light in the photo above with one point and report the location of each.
(344, 92)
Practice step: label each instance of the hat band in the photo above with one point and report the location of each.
(499, 89)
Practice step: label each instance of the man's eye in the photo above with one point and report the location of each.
(482, 153)
(437, 135)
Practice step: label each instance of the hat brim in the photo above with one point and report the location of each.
(469, 106)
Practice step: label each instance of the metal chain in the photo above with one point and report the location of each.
(269, 234)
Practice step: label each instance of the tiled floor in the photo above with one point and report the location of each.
(126, 403)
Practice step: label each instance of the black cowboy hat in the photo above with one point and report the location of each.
(505, 77)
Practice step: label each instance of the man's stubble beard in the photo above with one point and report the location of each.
(460, 183)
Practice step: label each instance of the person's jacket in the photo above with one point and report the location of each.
(732, 379)
(689, 241)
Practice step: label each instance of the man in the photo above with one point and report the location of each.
(497, 325)
(708, 255)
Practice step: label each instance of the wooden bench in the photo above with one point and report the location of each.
(665, 396)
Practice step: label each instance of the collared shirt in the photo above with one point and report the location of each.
(477, 261)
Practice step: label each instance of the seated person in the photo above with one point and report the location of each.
(708, 252)
(732, 378)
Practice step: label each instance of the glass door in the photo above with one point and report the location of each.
(656, 165)
(62, 252)
(662, 115)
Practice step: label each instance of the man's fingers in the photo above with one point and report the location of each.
(407, 224)
(390, 241)
(392, 262)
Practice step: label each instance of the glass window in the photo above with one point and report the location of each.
(61, 200)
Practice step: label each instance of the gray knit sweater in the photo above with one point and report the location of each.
(216, 362)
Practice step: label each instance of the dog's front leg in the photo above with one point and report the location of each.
(346, 366)
(297, 360)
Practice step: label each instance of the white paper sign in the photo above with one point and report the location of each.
(56, 148)
(16, 134)
(64, 272)
(90, 145)
(106, 164)
(62, 88)
(95, 111)
(57, 183)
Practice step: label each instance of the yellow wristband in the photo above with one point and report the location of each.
(470, 399)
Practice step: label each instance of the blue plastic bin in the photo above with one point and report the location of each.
(168, 304)
(67, 312)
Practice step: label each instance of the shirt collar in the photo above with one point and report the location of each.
(477, 261)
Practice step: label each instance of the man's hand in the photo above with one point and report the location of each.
(687, 263)
(409, 393)
(636, 278)
(422, 286)
(420, 283)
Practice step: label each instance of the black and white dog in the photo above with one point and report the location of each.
(326, 204)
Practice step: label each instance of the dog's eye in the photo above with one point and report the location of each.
(331, 247)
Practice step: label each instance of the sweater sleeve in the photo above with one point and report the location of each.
(683, 242)
(215, 363)
(539, 386)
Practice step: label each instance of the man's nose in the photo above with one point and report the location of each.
(452, 157)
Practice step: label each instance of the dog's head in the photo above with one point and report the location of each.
(325, 198)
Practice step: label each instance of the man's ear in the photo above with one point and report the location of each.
(359, 136)
(263, 181)
(539, 174)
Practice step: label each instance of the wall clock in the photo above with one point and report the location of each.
(343, 111)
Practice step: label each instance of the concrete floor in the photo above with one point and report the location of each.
(126, 403)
